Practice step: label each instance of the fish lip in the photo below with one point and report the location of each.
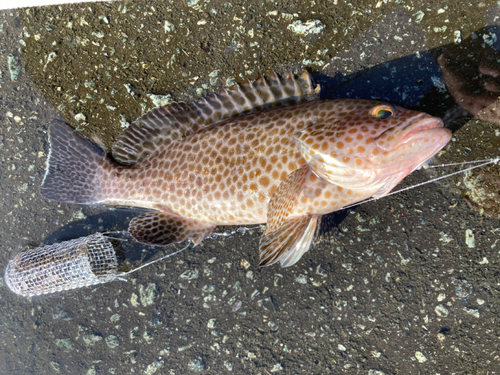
(427, 123)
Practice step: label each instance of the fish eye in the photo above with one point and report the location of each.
(381, 112)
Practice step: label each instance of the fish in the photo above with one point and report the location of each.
(268, 151)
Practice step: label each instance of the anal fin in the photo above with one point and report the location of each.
(161, 229)
(287, 244)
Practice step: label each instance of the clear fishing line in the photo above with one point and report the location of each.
(483, 163)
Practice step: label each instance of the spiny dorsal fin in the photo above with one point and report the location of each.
(164, 125)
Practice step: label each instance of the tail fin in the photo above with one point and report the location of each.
(74, 167)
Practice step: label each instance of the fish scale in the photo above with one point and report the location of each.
(268, 151)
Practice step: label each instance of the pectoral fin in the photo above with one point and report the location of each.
(285, 197)
(289, 242)
(161, 229)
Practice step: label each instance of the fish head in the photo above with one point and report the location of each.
(371, 145)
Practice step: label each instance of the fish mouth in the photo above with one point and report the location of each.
(421, 140)
(424, 139)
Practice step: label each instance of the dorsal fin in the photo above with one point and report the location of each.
(163, 125)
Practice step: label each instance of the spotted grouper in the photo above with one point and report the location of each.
(270, 151)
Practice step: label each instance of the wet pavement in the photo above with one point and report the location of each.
(411, 286)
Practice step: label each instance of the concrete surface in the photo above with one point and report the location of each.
(410, 288)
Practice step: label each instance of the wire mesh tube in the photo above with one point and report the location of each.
(67, 265)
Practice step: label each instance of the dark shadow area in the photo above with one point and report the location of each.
(113, 220)
(471, 71)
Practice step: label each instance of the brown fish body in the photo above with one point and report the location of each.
(284, 165)
(226, 175)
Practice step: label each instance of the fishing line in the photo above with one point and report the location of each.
(462, 163)
(156, 260)
(484, 163)
(229, 232)
(226, 233)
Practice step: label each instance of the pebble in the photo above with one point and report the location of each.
(301, 279)
(64, 343)
(236, 306)
(149, 294)
(473, 312)
(245, 264)
(14, 67)
(153, 367)
(114, 318)
(441, 311)
(112, 341)
(189, 274)
(306, 28)
(80, 117)
(197, 364)
(134, 300)
(420, 357)
(469, 239)
(91, 339)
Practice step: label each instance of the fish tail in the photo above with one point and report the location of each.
(75, 167)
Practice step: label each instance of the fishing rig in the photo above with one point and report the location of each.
(73, 264)
(93, 259)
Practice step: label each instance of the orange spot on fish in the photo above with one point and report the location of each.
(376, 151)
(264, 181)
(348, 139)
(361, 149)
(340, 145)
(346, 159)
(358, 161)
(369, 140)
